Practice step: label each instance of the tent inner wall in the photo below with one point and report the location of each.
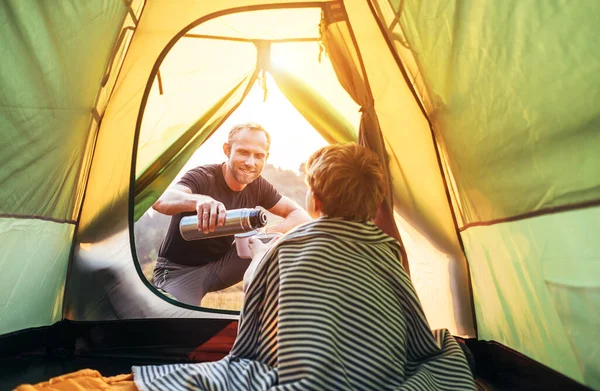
(34, 268)
(546, 309)
(511, 91)
(54, 58)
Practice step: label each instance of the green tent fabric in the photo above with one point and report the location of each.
(485, 113)
(511, 100)
(49, 88)
(498, 87)
(546, 310)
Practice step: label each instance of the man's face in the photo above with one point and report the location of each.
(247, 155)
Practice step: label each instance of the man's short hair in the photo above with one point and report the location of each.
(250, 126)
(348, 179)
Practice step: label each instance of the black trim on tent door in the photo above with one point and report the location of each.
(143, 103)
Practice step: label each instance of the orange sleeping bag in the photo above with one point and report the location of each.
(84, 380)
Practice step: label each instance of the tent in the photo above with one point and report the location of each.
(485, 114)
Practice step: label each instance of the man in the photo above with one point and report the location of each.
(188, 270)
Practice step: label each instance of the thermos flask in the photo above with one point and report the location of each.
(236, 221)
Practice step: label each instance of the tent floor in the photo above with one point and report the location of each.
(21, 370)
(32, 370)
(112, 348)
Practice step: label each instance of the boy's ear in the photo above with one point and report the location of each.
(227, 149)
(318, 203)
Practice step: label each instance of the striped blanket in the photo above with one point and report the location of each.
(330, 308)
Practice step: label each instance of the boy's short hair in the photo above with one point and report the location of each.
(348, 179)
(250, 126)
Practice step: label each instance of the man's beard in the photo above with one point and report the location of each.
(244, 178)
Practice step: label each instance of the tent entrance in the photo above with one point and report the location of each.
(254, 66)
(227, 68)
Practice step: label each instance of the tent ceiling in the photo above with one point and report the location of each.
(274, 24)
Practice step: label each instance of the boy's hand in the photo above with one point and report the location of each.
(258, 248)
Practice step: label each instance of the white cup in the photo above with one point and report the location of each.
(242, 244)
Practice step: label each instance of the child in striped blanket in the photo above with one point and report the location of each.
(329, 306)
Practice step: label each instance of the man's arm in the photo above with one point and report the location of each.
(292, 213)
(179, 198)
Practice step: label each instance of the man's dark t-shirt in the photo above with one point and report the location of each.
(209, 180)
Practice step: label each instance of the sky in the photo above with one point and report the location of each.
(191, 85)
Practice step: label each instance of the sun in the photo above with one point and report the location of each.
(293, 139)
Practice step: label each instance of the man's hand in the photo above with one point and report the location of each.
(211, 214)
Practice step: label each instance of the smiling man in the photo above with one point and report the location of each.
(189, 270)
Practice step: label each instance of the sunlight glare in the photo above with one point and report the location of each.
(293, 139)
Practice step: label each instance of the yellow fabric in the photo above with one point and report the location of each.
(387, 14)
(84, 380)
(417, 181)
(338, 43)
(308, 62)
(321, 115)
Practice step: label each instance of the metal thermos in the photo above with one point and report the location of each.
(236, 221)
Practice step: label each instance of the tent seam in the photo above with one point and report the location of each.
(541, 212)
(36, 217)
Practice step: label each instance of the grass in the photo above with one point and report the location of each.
(228, 299)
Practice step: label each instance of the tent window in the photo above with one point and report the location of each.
(210, 81)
